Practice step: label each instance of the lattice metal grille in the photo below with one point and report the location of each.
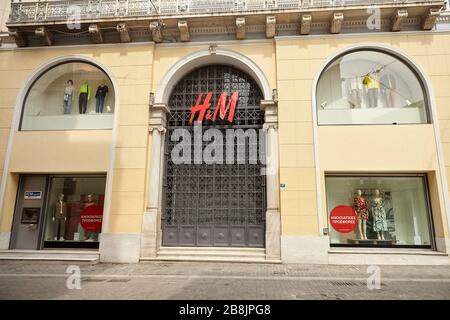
(215, 204)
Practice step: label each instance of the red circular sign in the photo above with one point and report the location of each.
(91, 218)
(343, 219)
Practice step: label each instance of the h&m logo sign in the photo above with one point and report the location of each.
(222, 107)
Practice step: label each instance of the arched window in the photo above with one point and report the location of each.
(69, 96)
(370, 87)
(218, 198)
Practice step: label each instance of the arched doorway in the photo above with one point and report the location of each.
(218, 203)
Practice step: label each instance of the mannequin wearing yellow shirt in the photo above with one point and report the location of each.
(84, 97)
(371, 88)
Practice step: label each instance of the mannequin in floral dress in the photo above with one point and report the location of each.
(379, 215)
(362, 213)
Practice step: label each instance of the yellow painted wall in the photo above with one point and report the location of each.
(61, 152)
(290, 65)
(263, 54)
(298, 62)
(88, 151)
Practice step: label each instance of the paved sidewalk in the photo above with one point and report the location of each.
(189, 280)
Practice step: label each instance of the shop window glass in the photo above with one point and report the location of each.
(74, 211)
(386, 211)
(70, 96)
(370, 87)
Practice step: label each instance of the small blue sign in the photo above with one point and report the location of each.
(33, 195)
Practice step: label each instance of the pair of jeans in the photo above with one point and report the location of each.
(388, 97)
(100, 101)
(68, 104)
(82, 102)
(373, 98)
(355, 96)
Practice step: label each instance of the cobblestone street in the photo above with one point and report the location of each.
(158, 280)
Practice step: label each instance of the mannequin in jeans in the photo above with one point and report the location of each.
(100, 97)
(68, 97)
(371, 88)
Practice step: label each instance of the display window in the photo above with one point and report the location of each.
(69, 96)
(370, 87)
(378, 211)
(74, 211)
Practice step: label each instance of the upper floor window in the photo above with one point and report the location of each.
(370, 87)
(70, 96)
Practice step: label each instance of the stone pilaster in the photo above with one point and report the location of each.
(151, 224)
(273, 218)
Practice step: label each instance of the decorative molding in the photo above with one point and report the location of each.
(305, 24)
(185, 18)
(156, 31)
(19, 37)
(184, 30)
(122, 28)
(97, 34)
(271, 26)
(270, 108)
(158, 118)
(42, 32)
(336, 22)
(240, 28)
(398, 18)
(430, 18)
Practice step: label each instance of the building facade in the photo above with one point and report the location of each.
(268, 131)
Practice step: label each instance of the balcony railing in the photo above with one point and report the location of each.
(60, 10)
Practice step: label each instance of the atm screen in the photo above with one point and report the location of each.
(30, 215)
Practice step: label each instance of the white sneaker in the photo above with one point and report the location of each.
(61, 239)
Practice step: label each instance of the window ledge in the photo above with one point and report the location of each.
(428, 252)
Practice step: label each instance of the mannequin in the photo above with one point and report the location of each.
(89, 202)
(60, 216)
(362, 213)
(354, 87)
(84, 97)
(379, 215)
(68, 97)
(388, 86)
(100, 97)
(371, 88)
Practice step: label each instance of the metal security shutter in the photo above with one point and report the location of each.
(214, 204)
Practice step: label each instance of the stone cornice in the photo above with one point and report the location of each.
(270, 108)
(27, 23)
(157, 118)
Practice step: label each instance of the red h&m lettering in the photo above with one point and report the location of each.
(200, 108)
(203, 109)
(221, 105)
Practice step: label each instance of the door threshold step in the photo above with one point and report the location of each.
(50, 255)
(253, 253)
(212, 253)
(211, 259)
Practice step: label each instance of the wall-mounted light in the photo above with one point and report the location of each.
(275, 95)
(151, 98)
